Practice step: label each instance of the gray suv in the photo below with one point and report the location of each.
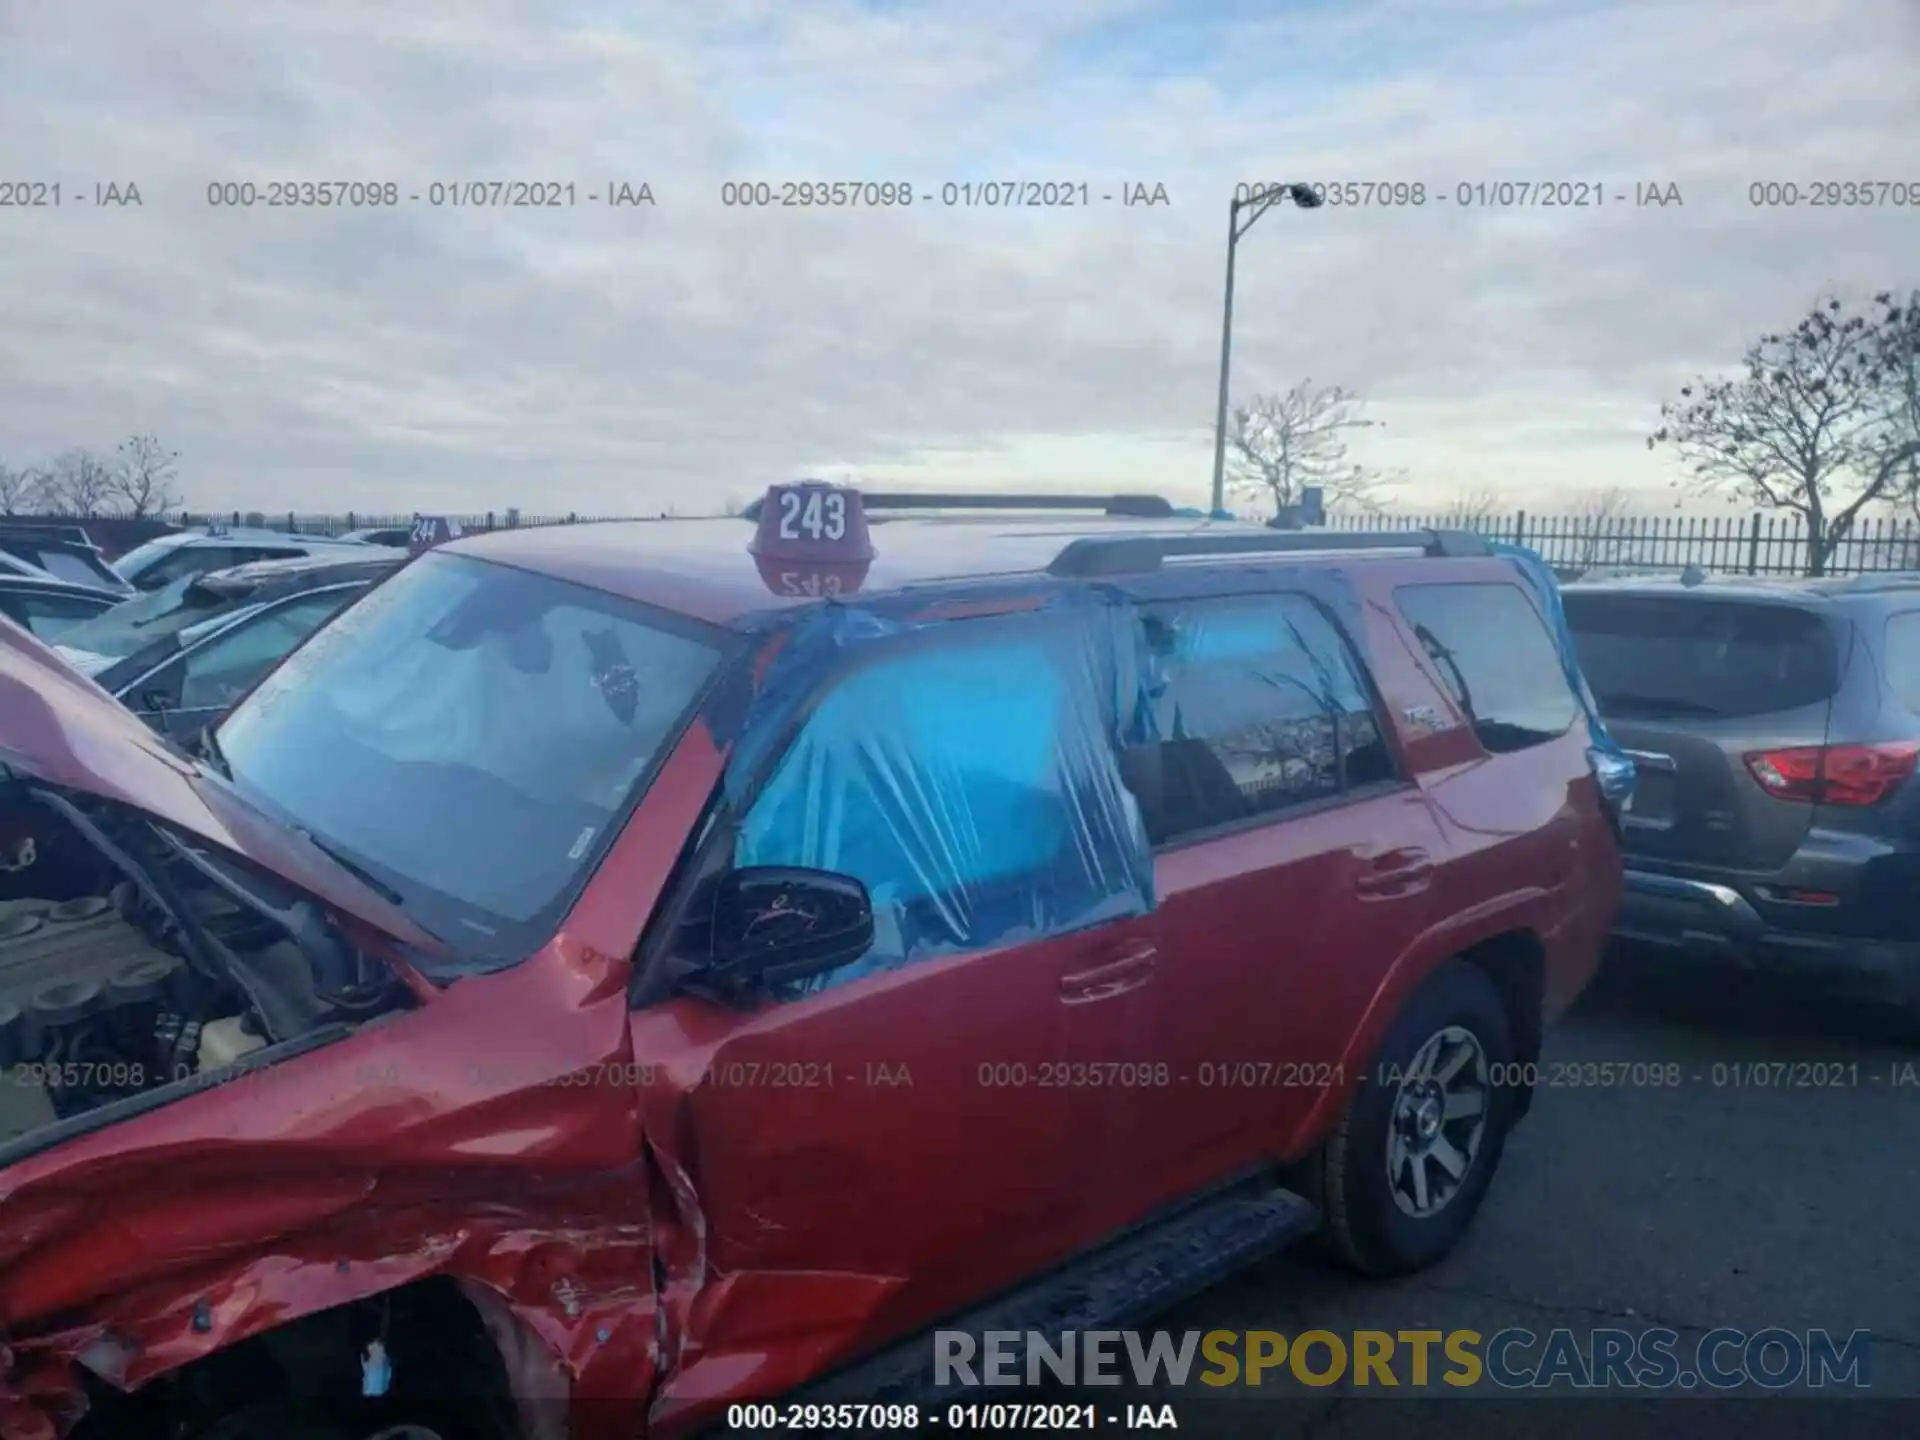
(1776, 823)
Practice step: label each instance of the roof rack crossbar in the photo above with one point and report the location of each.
(1150, 507)
(1131, 554)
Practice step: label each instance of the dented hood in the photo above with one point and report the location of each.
(60, 727)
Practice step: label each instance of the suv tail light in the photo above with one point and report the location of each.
(1854, 775)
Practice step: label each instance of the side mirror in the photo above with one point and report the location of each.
(774, 924)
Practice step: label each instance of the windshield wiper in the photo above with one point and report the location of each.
(359, 872)
(211, 752)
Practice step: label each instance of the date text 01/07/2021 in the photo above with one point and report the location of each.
(949, 194)
(438, 194)
(1473, 194)
(969, 1416)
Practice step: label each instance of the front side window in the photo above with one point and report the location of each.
(219, 672)
(1496, 658)
(470, 734)
(969, 781)
(1258, 706)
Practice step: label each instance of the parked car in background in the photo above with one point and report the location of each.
(1776, 726)
(66, 552)
(161, 561)
(46, 607)
(182, 661)
(41, 554)
(1150, 893)
(392, 535)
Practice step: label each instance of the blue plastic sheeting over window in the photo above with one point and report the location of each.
(1540, 576)
(966, 773)
(1295, 648)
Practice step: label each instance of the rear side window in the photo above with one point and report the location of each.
(1497, 659)
(1259, 706)
(1903, 658)
(1658, 658)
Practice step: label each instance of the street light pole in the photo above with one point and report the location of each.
(1256, 205)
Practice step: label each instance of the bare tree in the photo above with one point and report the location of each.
(80, 483)
(1604, 518)
(1476, 508)
(22, 492)
(1811, 426)
(1282, 444)
(144, 479)
(1896, 343)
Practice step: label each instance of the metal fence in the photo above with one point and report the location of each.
(1755, 545)
(354, 520)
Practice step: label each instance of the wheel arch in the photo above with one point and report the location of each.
(1516, 962)
(443, 1342)
(1504, 943)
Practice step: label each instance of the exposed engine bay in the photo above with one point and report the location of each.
(131, 962)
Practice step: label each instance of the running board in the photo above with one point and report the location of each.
(1149, 1270)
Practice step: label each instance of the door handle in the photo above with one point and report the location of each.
(1131, 969)
(1401, 871)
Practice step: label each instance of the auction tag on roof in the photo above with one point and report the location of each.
(429, 531)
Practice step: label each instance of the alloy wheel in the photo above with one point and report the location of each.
(1439, 1119)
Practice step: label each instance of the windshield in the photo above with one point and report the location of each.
(128, 626)
(141, 556)
(469, 734)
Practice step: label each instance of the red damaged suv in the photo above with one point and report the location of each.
(615, 972)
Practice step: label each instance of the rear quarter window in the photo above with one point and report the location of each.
(1259, 707)
(1659, 657)
(1499, 662)
(1903, 658)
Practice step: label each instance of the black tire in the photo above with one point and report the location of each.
(1365, 1227)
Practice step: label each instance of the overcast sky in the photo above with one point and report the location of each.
(633, 358)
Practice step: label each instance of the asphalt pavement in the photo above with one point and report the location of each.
(1774, 1185)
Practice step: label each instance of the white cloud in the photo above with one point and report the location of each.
(582, 358)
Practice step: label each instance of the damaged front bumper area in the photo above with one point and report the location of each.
(156, 1240)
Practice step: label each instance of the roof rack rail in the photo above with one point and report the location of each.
(1132, 554)
(1871, 580)
(1145, 507)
